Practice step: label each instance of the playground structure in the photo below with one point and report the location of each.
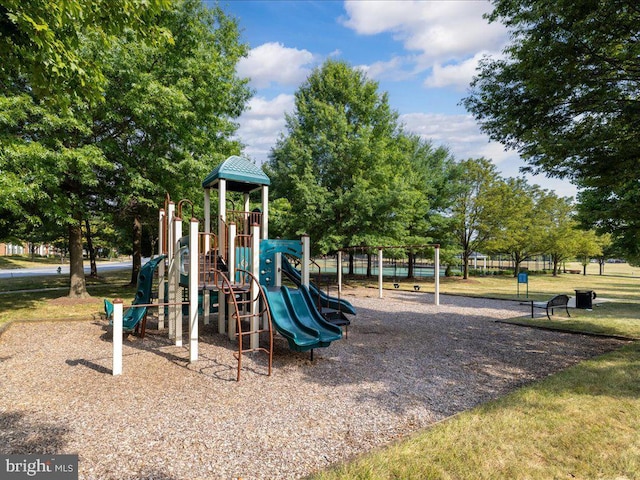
(234, 276)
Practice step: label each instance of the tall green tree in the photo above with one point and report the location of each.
(169, 114)
(47, 88)
(560, 229)
(339, 165)
(49, 165)
(473, 206)
(588, 246)
(517, 220)
(564, 94)
(159, 119)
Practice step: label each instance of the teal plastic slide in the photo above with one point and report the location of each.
(295, 317)
(134, 315)
(324, 299)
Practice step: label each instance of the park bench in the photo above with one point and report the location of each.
(557, 301)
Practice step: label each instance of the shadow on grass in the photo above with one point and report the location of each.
(614, 374)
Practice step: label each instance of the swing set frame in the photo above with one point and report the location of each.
(380, 249)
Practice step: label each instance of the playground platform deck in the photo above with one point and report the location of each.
(406, 364)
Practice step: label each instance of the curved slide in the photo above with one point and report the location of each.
(325, 300)
(296, 318)
(134, 315)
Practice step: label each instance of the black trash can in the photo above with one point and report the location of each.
(584, 299)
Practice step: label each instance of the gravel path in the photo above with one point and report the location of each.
(405, 365)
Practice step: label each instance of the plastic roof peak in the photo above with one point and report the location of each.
(241, 175)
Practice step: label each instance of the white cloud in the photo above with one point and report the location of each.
(445, 36)
(391, 70)
(457, 75)
(461, 134)
(262, 124)
(273, 63)
(438, 29)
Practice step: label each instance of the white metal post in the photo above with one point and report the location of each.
(117, 337)
(222, 215)
(231, 266)
(161, 280)
(339, 269)
(206, 299)
(436, 273)
(306, 257)
(193, 290)
(255, 270)
(207, 211)
(379, 273)
(265, 212)
(172, 287)
(177, 312)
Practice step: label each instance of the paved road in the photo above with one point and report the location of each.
(64, 269)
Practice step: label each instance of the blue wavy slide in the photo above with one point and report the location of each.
(134, 315)
(325, 300)
(295, 317)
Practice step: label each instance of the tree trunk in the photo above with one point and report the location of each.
(137, 249)
(368, 265)
(410, 264)
(465, 264)
(92, 252)
(350, 263)
(601, 265)
(555, 267)
(516, 265)
(77, 282)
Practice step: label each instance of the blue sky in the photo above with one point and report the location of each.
(422, 53)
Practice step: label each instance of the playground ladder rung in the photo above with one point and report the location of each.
(262, 330)
(248, 350)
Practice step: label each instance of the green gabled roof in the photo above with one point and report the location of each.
(241, 175)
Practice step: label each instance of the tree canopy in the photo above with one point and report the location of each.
(349, 173)
(565, 96)
(166, 117)
(40, 42)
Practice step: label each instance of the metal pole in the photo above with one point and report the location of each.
(172, 287)
(231, 265)
(117, 337)
(306, 257)
(177, 312)
(255, 270)
(161, 280)
(379, 273)
(193, 290)
(436, 274)
(339, 269)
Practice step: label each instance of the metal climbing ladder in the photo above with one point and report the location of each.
(251, 314)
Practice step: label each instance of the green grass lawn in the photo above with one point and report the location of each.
(49, 301)
(26, 261)
(540, 286)
(13, 262)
